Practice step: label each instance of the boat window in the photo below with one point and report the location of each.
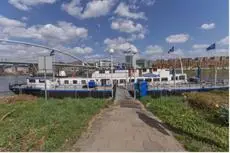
(115, 81)
(148, 80)
(132, 80)
(32, 80)
(173, 78)
(83, 81)
(182, 77)
(122, 81)
(101, 71)
(164, 79)
(150, 70)
(66, 81)
(74, 81)
(41, 81)
(112, 71)
(139, 80)
(156, 79)
(108, 81)
(103, 82)
(144, 70)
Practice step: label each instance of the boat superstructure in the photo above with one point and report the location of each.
(102, 82)
(152, 76)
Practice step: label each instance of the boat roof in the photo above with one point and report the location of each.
(48, 77)
(151, 75)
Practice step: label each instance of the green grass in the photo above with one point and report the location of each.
(189, 125)
(45, 126)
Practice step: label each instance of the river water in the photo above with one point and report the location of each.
(4, 83)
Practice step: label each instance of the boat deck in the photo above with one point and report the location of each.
(166, 89)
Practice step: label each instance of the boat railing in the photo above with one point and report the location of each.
(188, 85)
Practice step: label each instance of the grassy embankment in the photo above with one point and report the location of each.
(36, 125)
(200, 123)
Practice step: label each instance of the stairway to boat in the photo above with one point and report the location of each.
(124, 99)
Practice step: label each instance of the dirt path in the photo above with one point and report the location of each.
(127, 127)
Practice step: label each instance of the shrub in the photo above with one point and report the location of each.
(223, 114)
(208, 101)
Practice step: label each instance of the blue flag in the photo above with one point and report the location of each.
(212, 46)
(52, 53)
(171, 50)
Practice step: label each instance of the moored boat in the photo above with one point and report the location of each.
(101, 82)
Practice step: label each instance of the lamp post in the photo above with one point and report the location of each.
(111, 51)
(53, 55)
(133, 53)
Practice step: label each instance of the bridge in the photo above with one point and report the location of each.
(32, 66)
(15, 62)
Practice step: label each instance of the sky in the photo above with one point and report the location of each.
(89, 29)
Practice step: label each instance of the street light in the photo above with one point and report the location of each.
(111, 51)
(129, 51)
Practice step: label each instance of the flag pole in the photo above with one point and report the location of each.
(213, 47)
(215, 77)
(54, 67)
(174, 75)
(181, 64)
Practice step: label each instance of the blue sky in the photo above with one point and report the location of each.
(90, 28)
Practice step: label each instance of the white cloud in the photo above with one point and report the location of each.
(62, 32)
(93, 8)
(123, 10)
(136, 36)
(119, 45)
(5, 22)
(199, 46)
(26, 5)
(54, 35)
(73, 8)
(207, 26)
(84, 50)
(24, 18)
(178, 38)
(148, 2)
(127, 26)
(136, 30)
(10, 51)
(224, 41)
(151, 50)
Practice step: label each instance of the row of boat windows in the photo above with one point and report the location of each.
(158, 79)
(75, 81)
(130, 80)
(182, 77)
(65, 81)
(33, 81)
